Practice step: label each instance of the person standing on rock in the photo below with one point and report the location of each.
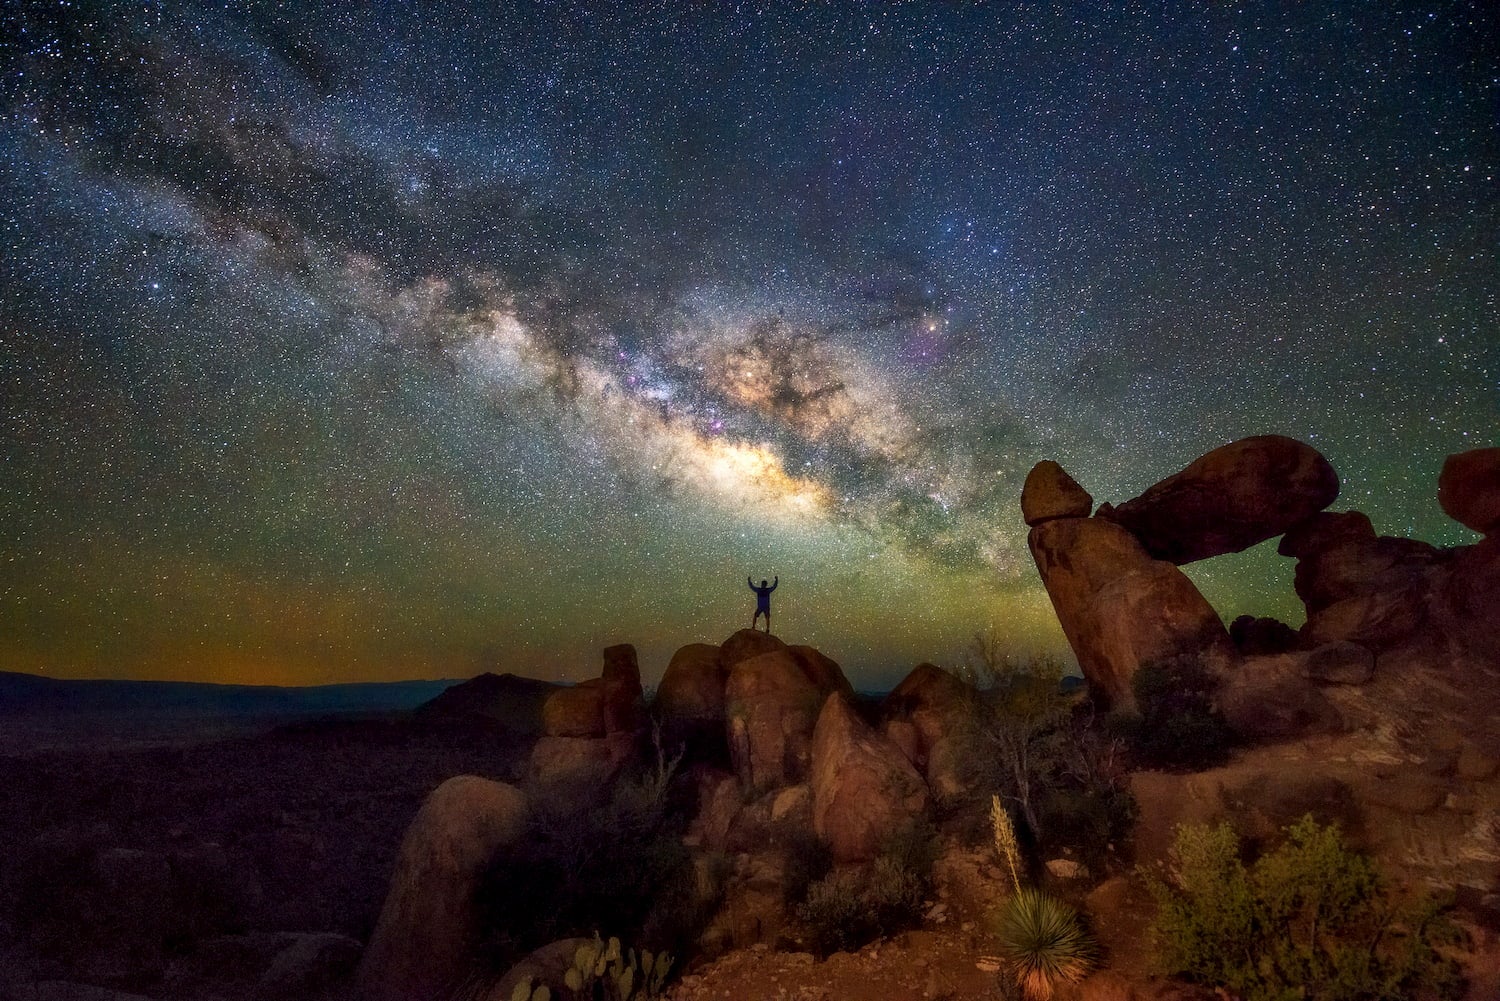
(762, 601)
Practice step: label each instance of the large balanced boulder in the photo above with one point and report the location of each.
(1119, 607)
(863, 788)
(1469, 489)
(771, 705)
(424, 943)
(692, 689)
(1229, 499)
(1049, 492)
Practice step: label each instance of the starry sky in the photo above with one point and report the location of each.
(391, 340)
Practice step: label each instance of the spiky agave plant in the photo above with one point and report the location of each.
(1045, 943)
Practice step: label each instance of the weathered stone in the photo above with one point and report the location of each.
(1268, 700)
(793, 806)
(623, 708)
(748, 643)
(1340, 663)
(1049, 492)
(1375, 620)
(771, 707)
(548, 965)
(719, 803)
(1258, 636)
(824, 672)
(863, 788)
(1408, 792)
(1471, 599)
(577, 711)
(309, 965)
(586, 765)
(1325, 530)
(1230, 498)
(1118, 607)
(692, 689)
(1066, 868)
(1382, 565)
(423, 945)
(1473, 765)
(937, 703)
(1469, 489)
(903, 733)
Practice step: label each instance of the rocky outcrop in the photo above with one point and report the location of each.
(1229, 499)
(771, 706)
(591, 730)
(582, 766)
(863, 788)
(748, 643)
(1119, 607)
(423, 945)
(1050, 493)
(1469, 489)
(930, 716)
(691, 692)
(620, 681)
(575, 711)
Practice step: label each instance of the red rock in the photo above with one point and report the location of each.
(824, 672)
(577, 711)
(1469, 489)
(624, 711)
(863, 788)
(771, 706)
(692, 689)
(1269, 700)
(587, 765)
(1118, 607)
(1471, 599)
(748, 643)
(425, 942)
(1325, 530)
(1049, 492)
(1230, 499)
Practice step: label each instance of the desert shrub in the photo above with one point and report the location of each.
(850, 907)
(1178, 725)
(1052, 760)
(808, 859)
(1045, 943)
(1310, 919)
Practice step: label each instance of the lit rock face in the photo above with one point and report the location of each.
(1469, 489)
(1050, 493)
(424, 943)
(771, 706)
(930, 717)
(1229, 499)
(1119, 607)
(863, 787)
(692, 689)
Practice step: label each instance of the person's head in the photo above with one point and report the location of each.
(764, 582)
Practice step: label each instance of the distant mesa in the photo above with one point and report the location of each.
(509, 699)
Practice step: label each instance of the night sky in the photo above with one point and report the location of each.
(372, 341)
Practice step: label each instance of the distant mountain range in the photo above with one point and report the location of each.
(31, 694)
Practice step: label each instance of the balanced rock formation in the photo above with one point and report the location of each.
(1469, 489)
(1229, 499)
(424, 942)
(1050, 493)
(1119, 607)
(591, 729)
(771, 704)
(863, 788)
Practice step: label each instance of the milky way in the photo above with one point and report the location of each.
(347, 344)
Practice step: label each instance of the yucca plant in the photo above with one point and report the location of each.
(1045, 943)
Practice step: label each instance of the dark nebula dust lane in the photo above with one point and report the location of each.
(343, 344)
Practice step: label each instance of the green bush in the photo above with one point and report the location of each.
(1178, 726)
(1310, 919)
(850, 907)
(1045, 943)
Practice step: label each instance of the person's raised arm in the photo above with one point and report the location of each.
(751, 583)
(774, 582)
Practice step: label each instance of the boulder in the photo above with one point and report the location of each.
(1470, 600)
(1378, 620)
(310, 964)
(1253, 636)
(1230, 498)
(1366, 566)
(824, 672)
(771, 706)
(548, 965)
(1049, 492)
(1340, 663)
(719, 804)
(1325, 530)
(793, 806)
(691, 692)
(748, 643)
(903, 733)
(863, 788)
(577, 711)
(423, 944)
(1469, 489)
(624, 711)
(935, 702)
(1118, 607)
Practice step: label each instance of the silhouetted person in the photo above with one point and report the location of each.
(762, 601)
